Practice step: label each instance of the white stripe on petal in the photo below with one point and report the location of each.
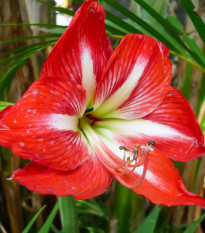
(151, 177)
(88, 77)
(142, 127)
(123, 93)
(62, 122)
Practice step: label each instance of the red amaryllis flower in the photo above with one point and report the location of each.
(91, 114)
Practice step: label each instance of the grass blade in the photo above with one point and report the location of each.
(27, 47)
(30, 38)
(32, 48)
(4, 104)
(148, 225)
(167, 25)
(193, 227)
(33, 24)
(195, 18)
(27, 229)
(47, 225)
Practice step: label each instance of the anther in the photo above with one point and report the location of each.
(124, 148)
(151, 143)
(135, 152)
(128, 160)
(142, 152)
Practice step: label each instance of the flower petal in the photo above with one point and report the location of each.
(43, 125)
(136, 79)
(78, 53)
(162, 184)
(176, 113)
(87, 181)
(172, 126)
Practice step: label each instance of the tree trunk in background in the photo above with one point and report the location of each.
(15, 12)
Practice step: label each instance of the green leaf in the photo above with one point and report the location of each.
(89, 207)
(7, 78)
(169, 28)
(187, 82)
(121, 23)
(164, 23)
(23, 57)
(28, 46)
(113, 28)
(175, 23)
(194, 47)
(29, 38)
(47, 225)
(140, 22)
(195, 18)
(53, 30)
(163, 8)
(27, 229)
(172, 40)
(32, 49)
(33, 24)
(4, 104)
(193, 227)
(148, 225)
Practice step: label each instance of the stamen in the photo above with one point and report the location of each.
(135, 152)
(124, 148)
(145, 154)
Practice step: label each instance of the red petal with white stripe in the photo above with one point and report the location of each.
(176, 113)
(87, 181)
(157, 179)
(78, 53)
(43, 124)
(172, 126)
(162, 184)
(136, 79)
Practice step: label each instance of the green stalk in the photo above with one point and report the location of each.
(68, 214)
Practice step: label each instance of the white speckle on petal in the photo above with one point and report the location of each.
(22, 143)
(35, 92)
(14, 121)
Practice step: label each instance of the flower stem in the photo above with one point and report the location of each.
(68, 214)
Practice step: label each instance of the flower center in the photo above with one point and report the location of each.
(108, 150)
